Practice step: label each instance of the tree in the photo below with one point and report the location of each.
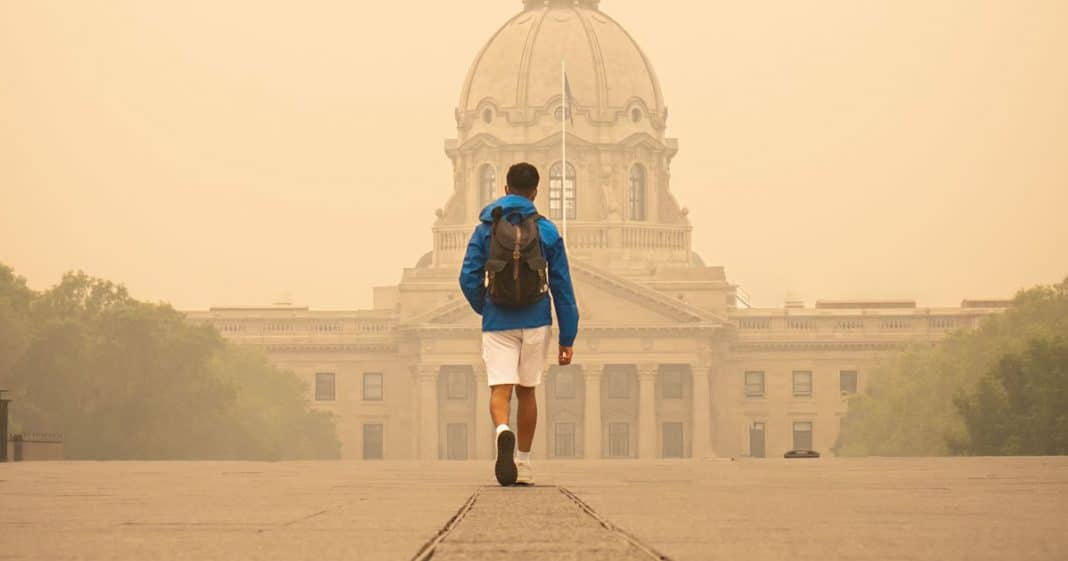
(124, 379)
(15, 298)
(271, 416)
(909, 406)
(1020, 407)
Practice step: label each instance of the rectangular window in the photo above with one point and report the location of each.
(372, 442)
(618, 385)
(673, 440)
(618, 440)
(564, 384)
(456, 441)
(457, 383)
(756, 440)
(803, 435)
(802, 383)
(847, 382)
(325, 389)
(754, 384)
(564, 445)
(671, 384)
(372, 386)
(561, 191)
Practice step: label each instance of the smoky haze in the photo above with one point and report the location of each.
(209, 153)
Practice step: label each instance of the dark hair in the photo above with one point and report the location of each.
(523, 178)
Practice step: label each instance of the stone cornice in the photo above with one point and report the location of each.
(528, 116)
(486, 140)
(793, 346)
(330, 348)
(703, 329)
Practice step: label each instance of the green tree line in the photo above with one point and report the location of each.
(999, 389)
(125, 379)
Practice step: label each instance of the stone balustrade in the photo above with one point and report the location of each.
(805, 324)
(660, 242)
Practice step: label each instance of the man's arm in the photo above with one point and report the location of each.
(473, 272)
(563, 294)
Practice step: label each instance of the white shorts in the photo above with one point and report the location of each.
(516, 356)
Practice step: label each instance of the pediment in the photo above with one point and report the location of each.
(645, 140)
(604, 298)
(602, 305)
(456, 312)
(481, 140)
(553, 141)
(607, 297)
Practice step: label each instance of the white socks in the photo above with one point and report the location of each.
(521, 457)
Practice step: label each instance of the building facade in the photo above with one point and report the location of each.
(668, 364)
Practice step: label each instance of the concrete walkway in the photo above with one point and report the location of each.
(555, 525)
(944, 509)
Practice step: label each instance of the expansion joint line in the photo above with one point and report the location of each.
(648, 550)
(427, 551)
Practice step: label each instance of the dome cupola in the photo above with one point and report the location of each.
(515, 79)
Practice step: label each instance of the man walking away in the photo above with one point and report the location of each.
(515, 259)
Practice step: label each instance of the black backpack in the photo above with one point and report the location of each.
(517, 274)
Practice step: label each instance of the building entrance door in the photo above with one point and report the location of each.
(456, 441)
(756, 440)
(672, 439)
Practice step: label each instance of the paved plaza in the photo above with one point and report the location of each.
(939, 509)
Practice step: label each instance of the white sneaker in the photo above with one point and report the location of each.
(524, 474)
(505, 468)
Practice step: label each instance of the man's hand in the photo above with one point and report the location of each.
(565, 355)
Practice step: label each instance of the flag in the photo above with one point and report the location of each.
(569, 100)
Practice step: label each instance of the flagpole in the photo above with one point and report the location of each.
(563, 142)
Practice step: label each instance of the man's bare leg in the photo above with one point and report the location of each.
(505, 468)
(500, 404)
(527, 417)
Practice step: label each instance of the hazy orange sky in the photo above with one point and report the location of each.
(213, 153)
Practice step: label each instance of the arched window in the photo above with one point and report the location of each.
(637, 192)
(561, 191)
(487, 185)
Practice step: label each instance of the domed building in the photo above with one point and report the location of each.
(615, 186)
(667, 363)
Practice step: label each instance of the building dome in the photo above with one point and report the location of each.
(611, 194)
(518, 71)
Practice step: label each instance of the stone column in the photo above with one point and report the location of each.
(591, 429)
(723, 440)
(483, 448)
(540, 448)
(647, 411)
(702, 411)
(428, 412)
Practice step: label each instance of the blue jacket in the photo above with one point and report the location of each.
(473, 276)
